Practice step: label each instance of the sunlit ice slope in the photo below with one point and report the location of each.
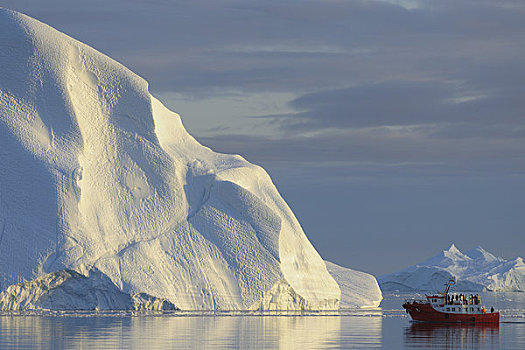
(97, 175)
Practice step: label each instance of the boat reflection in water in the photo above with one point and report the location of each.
(452, 336)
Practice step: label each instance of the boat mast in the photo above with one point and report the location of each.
(448, 285)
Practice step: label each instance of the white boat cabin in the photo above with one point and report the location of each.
(456, 303)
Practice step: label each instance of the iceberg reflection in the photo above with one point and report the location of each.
(242, 332)
(192, 330)
(161, 332)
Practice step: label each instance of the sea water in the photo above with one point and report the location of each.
(387, 327)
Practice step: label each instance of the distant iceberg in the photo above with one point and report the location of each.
(474, 270)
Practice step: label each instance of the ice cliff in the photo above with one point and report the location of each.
(474, 270)
(102, 188)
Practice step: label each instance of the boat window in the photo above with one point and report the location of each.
(478, 308)
(471, 309)
(448, 309)
(453, 309)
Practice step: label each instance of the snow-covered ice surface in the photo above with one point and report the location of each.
(358, 289)
(474, 270)
(97, 175)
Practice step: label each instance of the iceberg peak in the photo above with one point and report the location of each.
(454, 253)
(447, 257)
(453, 249)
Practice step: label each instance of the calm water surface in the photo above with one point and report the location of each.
(385, 328)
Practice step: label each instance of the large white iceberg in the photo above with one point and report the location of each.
(474, 270)
(98, 177)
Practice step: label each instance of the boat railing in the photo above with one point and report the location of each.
(415, 301)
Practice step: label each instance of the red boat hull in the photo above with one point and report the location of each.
(425, 312)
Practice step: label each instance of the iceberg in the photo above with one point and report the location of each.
(358, 289)
(102, 189)
(474, 270)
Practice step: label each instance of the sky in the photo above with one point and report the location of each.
(392, 128)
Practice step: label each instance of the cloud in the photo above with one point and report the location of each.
(389, 103)
(373, 148)
(401, 103)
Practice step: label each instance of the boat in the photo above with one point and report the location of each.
(445, 307)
